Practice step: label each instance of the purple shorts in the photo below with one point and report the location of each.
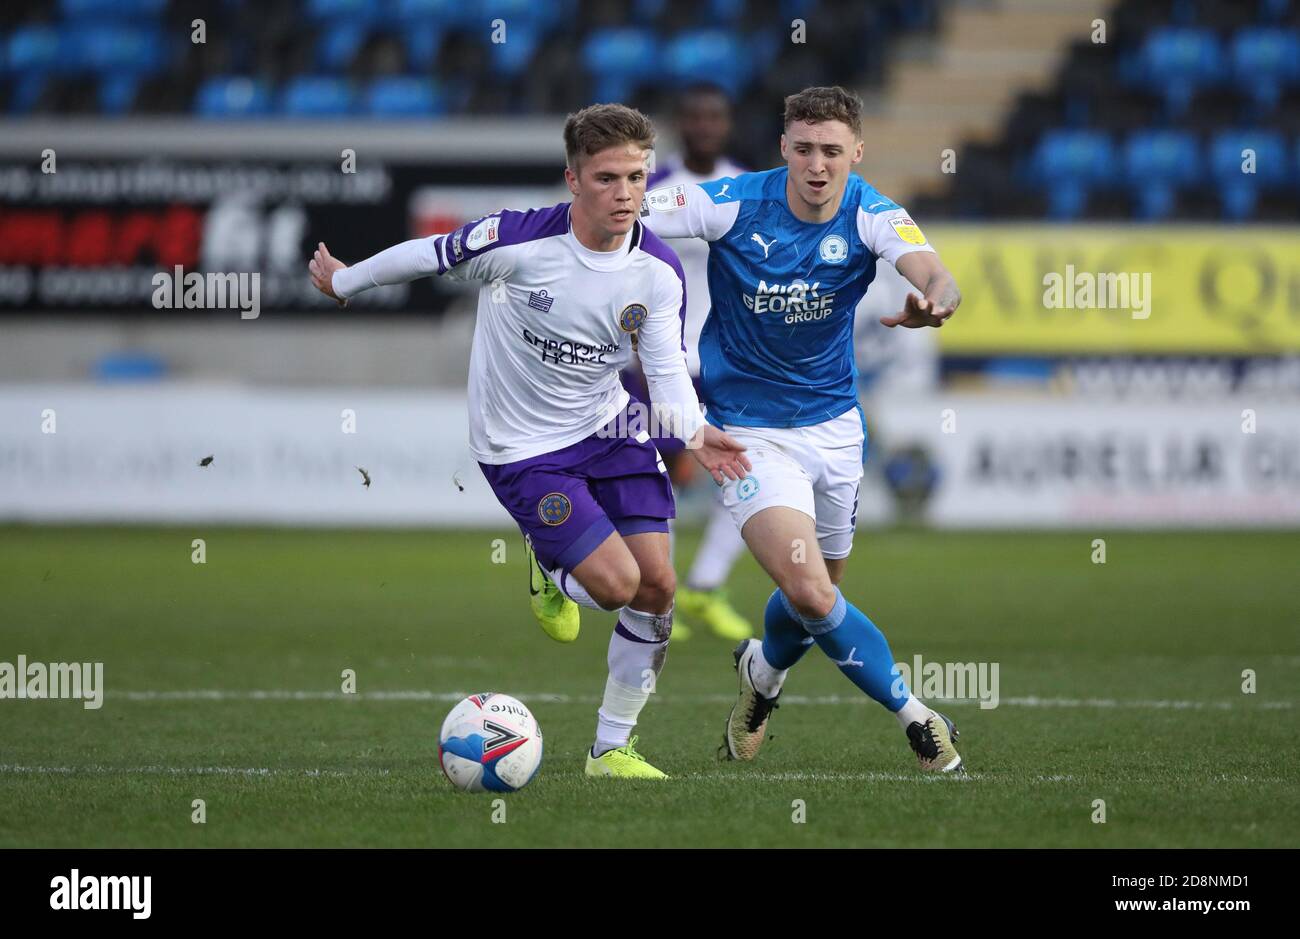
(571, 500)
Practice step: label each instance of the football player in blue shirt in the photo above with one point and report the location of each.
(792, 251)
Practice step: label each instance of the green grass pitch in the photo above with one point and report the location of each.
(1120, 682)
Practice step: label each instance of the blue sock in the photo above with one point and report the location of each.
(861, 651)
(784, 638)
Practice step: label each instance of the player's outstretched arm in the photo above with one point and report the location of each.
(939, 294)
(400, 264)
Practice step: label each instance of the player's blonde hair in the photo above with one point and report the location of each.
(601, 126)
(825, 103)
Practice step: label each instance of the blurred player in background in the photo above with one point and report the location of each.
(793, 250)
(566, 291)
(703, 119)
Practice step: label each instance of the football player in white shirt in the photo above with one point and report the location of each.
(703, 118)
(567, 291)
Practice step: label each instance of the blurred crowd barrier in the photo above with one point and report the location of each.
(134, 454)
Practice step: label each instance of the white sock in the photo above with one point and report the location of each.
(637, 649)
(570, 587)
(719, 549)
(617, 716)
(912, 711)
(766, 679)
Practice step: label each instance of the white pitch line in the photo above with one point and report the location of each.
(450, 697)
(98, 769)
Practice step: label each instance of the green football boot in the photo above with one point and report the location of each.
(556, 612)
(622, 763)
(713, 609)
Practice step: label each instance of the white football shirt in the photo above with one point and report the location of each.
(556, 322)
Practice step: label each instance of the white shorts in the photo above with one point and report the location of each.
(815, 469)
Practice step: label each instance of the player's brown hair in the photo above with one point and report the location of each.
(601, 126)
(825, 103)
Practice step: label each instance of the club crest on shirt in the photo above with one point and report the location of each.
(834, 249)
(908, 230)
(632, 317)
(554, 508)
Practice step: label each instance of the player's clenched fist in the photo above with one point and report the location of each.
(322, 267)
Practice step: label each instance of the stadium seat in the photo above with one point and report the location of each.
(339, 43)
(332, 10)
(618, 60)
(1176, 61)
(116, 48)
(1239, 190)
(511, 58)
(316, 96)
(1156, 165)
(1264, 61)
(452, 14)
(707, 55)
(34, 49)
(1067, 164)
(26, 90)
(112, 9)
(117, 93)
(232, 96)
(402, 96)
(422, 40)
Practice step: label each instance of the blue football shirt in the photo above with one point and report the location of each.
(777, 347)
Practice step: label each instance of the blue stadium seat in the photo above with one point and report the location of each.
(422, 41)
(117, 48)
(117, 93)
(708, 55)
(112, 9)
(26, 91)
(339, 43)
(726, 12)
(34, 49)
(316, 96)
(717, 13)
(1264, 61)
(1175, 62)
(797, 8)
(1239, 190)
(329, 10)
(512, 57)
(479, 14)
(1273, 10)
(232, 96)
(1157, 164)
(1067, 164)
(618, 60)
(403, 96)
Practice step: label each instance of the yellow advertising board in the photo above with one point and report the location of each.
(1040, 289)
